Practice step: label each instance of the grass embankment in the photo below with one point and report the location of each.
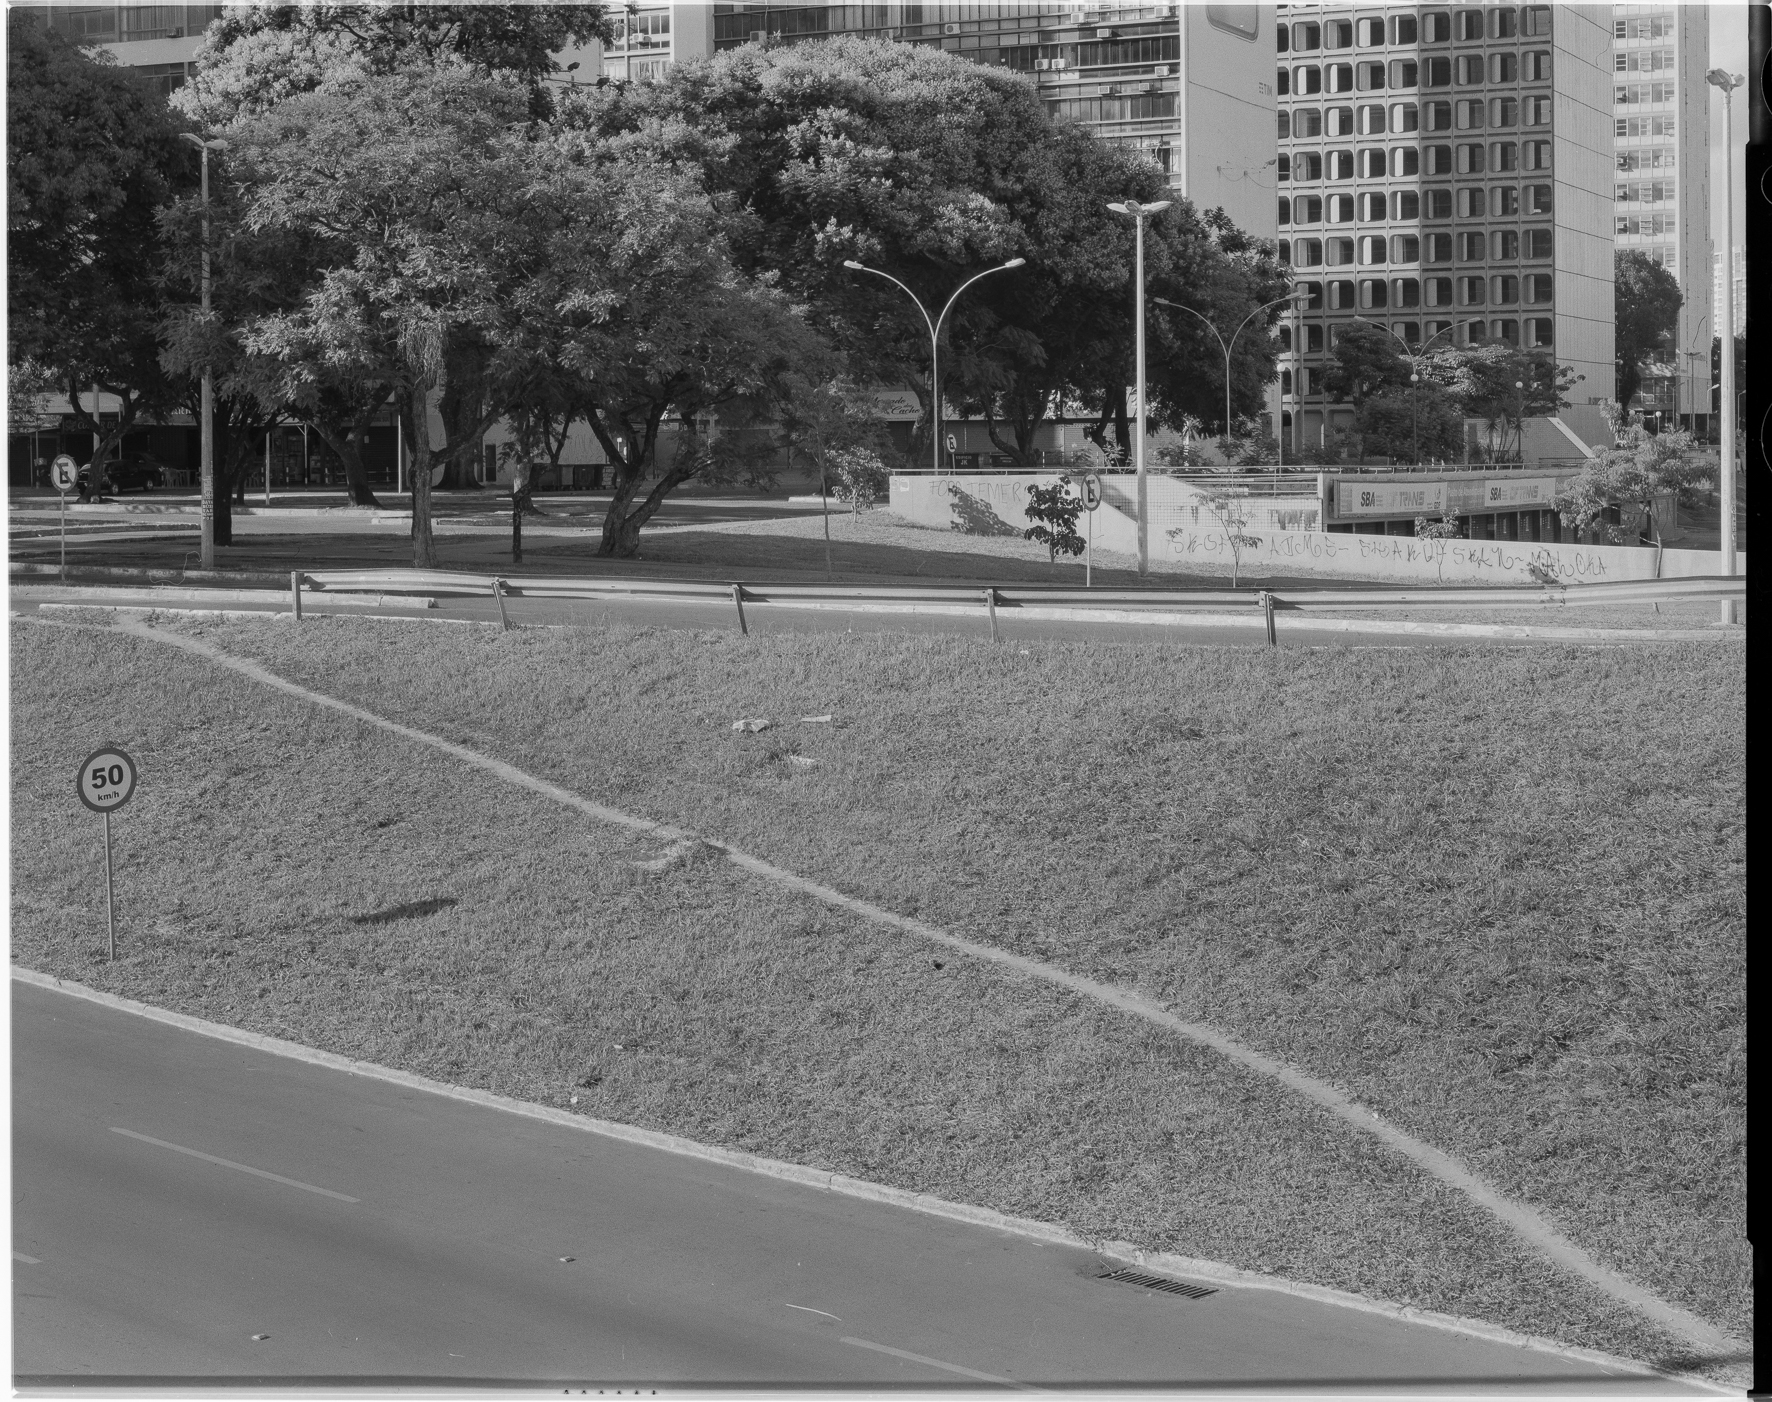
(1498, 897)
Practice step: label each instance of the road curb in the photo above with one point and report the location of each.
(1118, 1251)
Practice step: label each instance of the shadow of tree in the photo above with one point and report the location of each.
(973, 516)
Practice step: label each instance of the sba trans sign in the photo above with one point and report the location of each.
(1389, 498)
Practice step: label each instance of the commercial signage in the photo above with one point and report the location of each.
(896, 405)
(1389, 498)
(1527, 492)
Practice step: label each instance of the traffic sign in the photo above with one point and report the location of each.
(1090, 490)
(106, 779)
(64, 472)
(953, 444)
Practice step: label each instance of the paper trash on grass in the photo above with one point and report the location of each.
(804, 761)
(815, 720)
(751, 725)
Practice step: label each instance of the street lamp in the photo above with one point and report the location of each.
(1727, 83)
(1139, 213)
(1415, 358)
(1520, 420)
(1227, 348)
(207, 445)
(934, 339)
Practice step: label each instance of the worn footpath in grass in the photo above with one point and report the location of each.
(1496, 896)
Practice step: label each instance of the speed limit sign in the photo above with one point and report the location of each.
(106, 779)
(64, 472)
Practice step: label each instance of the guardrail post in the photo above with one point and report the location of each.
(1267, 614)
(498, 593)
(738, 602)
(990, 602)
(295, 595)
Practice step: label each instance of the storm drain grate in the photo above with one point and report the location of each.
(1157, 1282)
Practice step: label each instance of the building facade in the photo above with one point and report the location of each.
(157, 40)
(1661, 128)
(1446, 172)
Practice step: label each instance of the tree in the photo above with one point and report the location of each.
(1230, 508)
(92, 156)
(1054, 511)
(1643, 469)
(1367, 359)
(1504, 385)
(1396, 417)
(1646, 304)
(861, 476)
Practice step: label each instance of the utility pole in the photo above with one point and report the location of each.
(1139, 213)
(1727, 83)
(207, 446)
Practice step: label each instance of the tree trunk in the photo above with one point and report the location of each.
(415, 407)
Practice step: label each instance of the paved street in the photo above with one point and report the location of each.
(176, 1196)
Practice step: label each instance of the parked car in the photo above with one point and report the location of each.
(136, 472)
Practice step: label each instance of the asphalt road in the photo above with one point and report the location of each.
(184, 1208)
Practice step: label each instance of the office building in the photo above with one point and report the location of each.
(1447, 173)
(158, 41)
(1661, 128)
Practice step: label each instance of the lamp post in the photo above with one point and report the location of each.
(1139, 213)
(1691, 355)
(207, 445)
(1415, 358)
(934, 340)
(1520, 419)
(1726, 83)
(1228, 347)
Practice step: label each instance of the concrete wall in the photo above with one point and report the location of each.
(1226, 113)
(1583, 168)
(983, 504)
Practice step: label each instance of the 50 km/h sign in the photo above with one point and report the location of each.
(105, 782)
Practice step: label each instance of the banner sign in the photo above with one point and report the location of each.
(1527, 492)
(1389, 498)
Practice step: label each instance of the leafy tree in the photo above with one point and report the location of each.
(92, 156)
(1391, 419)
(1446, 528)
(861, 476)
(1643, 468)
(1054, 511)
(1367, 359)
(1502, 385)
(1229, 506)
(1646, 304)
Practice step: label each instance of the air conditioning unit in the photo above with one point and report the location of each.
(759, 35)
(1041, 65)
(1059, 63)
(950, 29)
(1161, 70)
(1113, 89)
(1151, 87)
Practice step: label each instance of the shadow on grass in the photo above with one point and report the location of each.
(410, 911)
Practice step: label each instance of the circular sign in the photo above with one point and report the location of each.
(953, 443)
(1091, 488)
(64, 472)
(106, 779)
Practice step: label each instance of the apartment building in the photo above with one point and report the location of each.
(1446, 172)
(159, 41)
(1661, 127)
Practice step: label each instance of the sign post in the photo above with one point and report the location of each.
(953, 450)
(105, 781)
(1089, 488)
(64, 472)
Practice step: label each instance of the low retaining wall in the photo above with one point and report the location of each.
(994, 505)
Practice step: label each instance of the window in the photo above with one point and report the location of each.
(1504, 111)
(1372, 120)
(1282, 82)
(1436, 73)
(1405, 117)
(1369, 77)
(1538, 243)
(1468, 113)
(1439, 204)
(1307, 121)
(1372, 249)
(1539, 289)
(1437, 116)
(1285, 375)
(1340, 121)
(1338, 253)
(1436, 28)
(1405, 72)
(1504, 200)
(1341, 165)
(1405, 248)
(1539, 331)
(1505, 330)
(1436, 291)
(1471, 291)
(1471, 204)
(1305, 36)
(1538, 155)
(1470, 25)
(1471, 160)
(1438, 248)
(1403, 29)
(1469, 68)
(1307, 165)
(1338, 34)
(1535, 21)
(1505, 155)
(1507, 245)
(1307, 78)
(1647, 158)
(1313, 295)
(1234, 19)
(1374, 292)
(1504, 23)
(1471, 247)
(1406, 160)
(1369, 33)
(1410, 331)
(1372, 207)
(1282, 251)
(1504, 68)
(1283, 167)
(1537, 111)
(1438, 160)
(1341, 209)
(1313, 335)
(1538, 66)
(1307, 209)
(1405, 292)
(1285, 125)
(1307, 253)
(1476, 333)
(1504, 289)
(1372, 163)
(1341, 296)
(1341, 77)
(1283, 215)
(1538, 199)
(1281, 39)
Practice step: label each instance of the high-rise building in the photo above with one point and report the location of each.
(1737, 283)
(1447, 174)
(1661, 128)
(157, 40)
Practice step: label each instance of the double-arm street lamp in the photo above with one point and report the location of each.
(1727, 83)
(207, 447)
(1229, 346)
(1139, 213)
(1416, 356)
(934, 338)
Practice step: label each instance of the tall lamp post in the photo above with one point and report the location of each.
(1231, 345)
(1727, 83)
(1139, 213)
(1691, 393)
(1416, 356)
(934, 339)
(207, 446)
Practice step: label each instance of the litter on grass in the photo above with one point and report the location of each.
(751, 725)
(803, 761)
(815, 720)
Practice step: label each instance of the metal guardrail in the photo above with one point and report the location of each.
(994, 597)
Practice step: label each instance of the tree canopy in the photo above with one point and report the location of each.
(1646, 304)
